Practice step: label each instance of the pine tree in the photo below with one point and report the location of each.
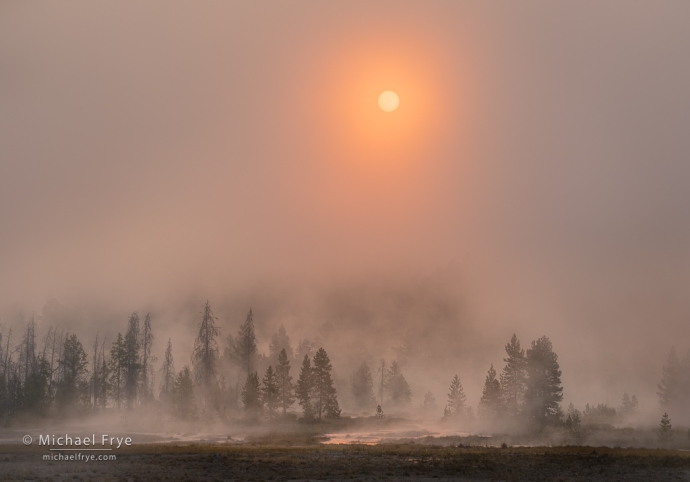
(513, 378)
(167, 375)
(456, 400)
(117, 370)
(363, 388)
(397, 388)
(183, 395)
(269, 393)
(279, 341)
(544, 392)
(286, 388)
(244, 351)
(73, 388)
(36, 397)
(490, 403)
(205, 357)
(305, 388)
(131, 361)
(325, 399)
(251, 397)
(665, 429)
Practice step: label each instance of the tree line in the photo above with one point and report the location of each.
(61, 376)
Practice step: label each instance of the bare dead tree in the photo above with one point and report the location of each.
(94, 376)
(205, 355)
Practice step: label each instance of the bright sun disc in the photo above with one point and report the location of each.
(389, 101)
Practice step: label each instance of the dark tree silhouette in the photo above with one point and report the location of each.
(269, 393)
(183, 395)
(73, 388)
(131, 361)
(167, 375)
(34, 395)
(514, 378)
(205, 356)
(456, 400)
(251, 397)
(490, 403)
(286, 388)
(99, 378)
(117, 370)
(147, 360)
(325, 399)
(103, 382)
(242, 351)
(28, 353)
(305, 387)
(35, 391)
(544, 392)
(95, 373)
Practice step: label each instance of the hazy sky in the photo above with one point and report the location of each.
(152, 151)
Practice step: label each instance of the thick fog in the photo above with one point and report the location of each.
(534, 180)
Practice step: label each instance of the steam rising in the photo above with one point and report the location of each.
(153, 158)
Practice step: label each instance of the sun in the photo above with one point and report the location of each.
(389, 101)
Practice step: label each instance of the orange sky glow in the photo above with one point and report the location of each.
(153, 152)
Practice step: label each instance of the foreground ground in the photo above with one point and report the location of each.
(352, 462)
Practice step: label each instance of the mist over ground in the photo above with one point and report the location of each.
(153, 157)
(427, 324)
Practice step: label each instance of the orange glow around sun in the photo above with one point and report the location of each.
(368, 167)
(354, 121)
